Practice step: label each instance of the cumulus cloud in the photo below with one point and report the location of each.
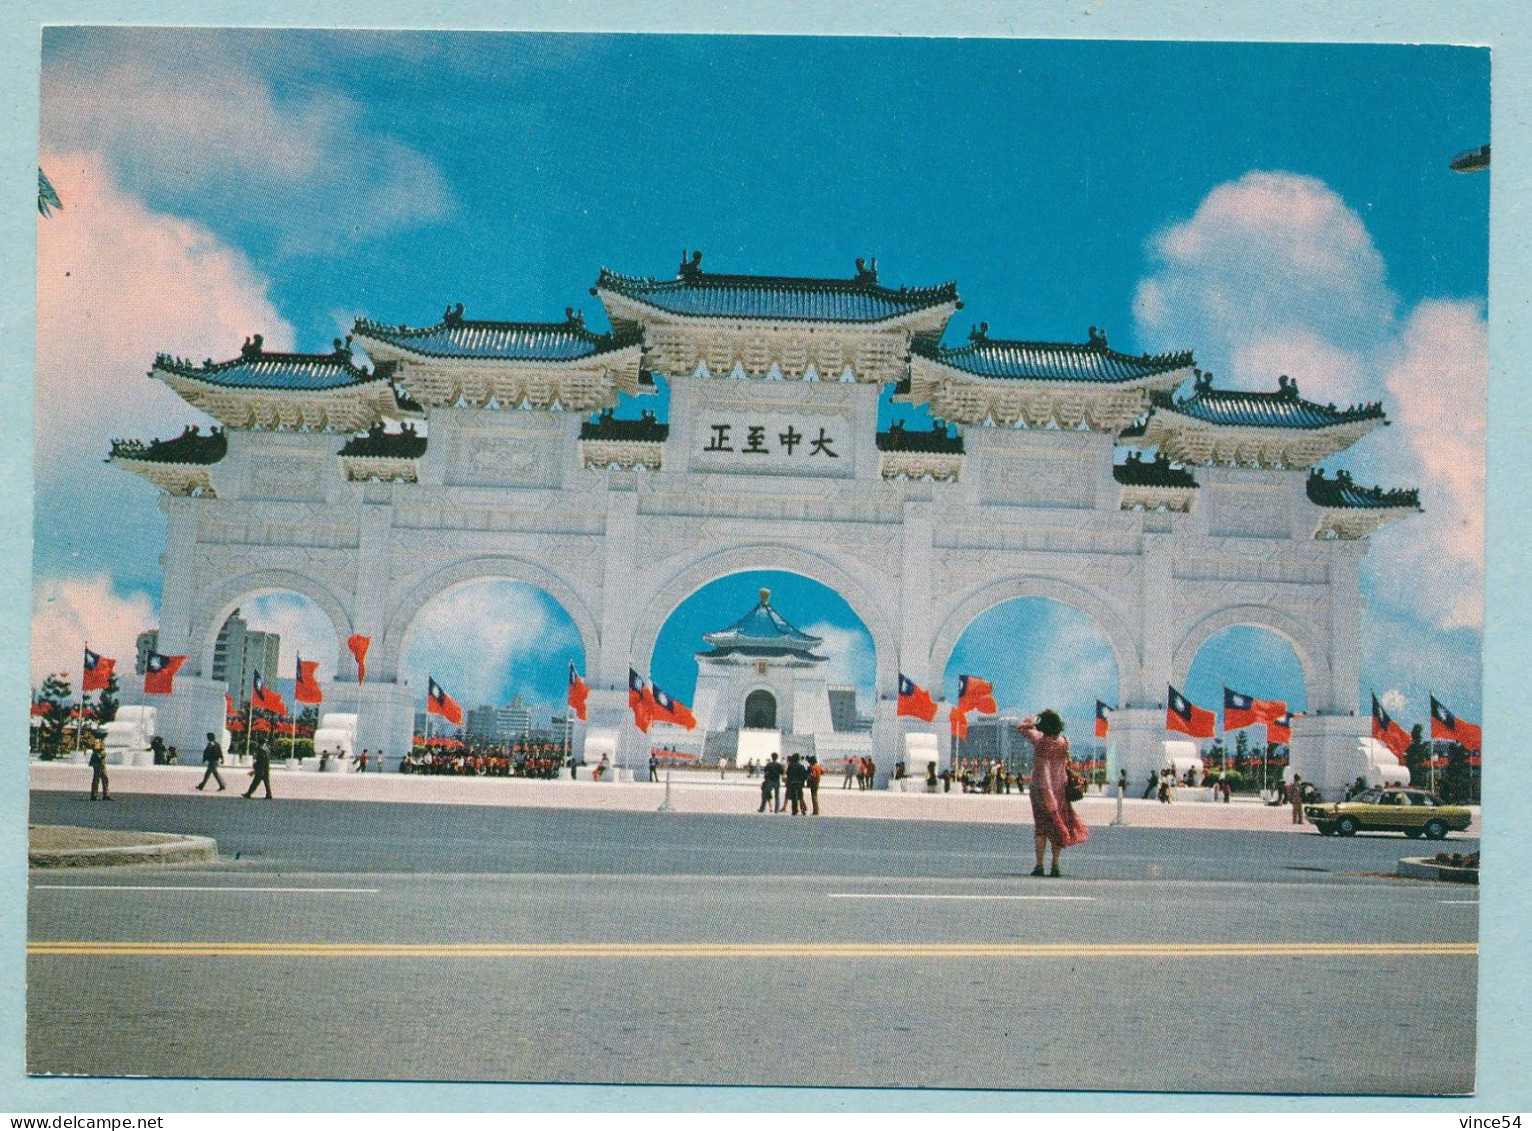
(69, 614)
(1274, 274)
(490, 640)
(116, 283)
(303, 627)
(851, 655)
(186, 117)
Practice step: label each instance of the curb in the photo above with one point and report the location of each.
(181, 850)
(1423, 868)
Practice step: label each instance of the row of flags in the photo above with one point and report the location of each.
(1239, 711)
(1445, 727)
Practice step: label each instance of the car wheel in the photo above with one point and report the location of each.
(1413, 834)
(1347, 826)
(1326, 830)
(1436, 830)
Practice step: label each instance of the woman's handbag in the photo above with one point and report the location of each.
(1074, 785)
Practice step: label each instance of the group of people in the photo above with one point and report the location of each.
(530, 762)
(860, 771)
(1162, 786)
(800, 775)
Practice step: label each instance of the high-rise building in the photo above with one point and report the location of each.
(482, 724)
(843, 708)
(239, 653)
(514, 720)
(147, 642)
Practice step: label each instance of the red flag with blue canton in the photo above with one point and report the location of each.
(1240, 710)
(1103, 724)
(262, 698)
(975, 694)
(1184, 717)
(1388, 732)
(438, 702)
(1280, 730)
(639, 701)
(98, 672)
(668, 709)
(959, 723)
(1447, 727)
(915, 701)
(579, 692)
(306, 687)
(160, 673)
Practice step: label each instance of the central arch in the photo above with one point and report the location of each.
(685, 581)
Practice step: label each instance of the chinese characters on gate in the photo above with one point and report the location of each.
(753, 439)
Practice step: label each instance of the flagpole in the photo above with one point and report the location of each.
(79, 726)
(249, 719)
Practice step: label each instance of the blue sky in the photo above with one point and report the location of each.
(1276, 208)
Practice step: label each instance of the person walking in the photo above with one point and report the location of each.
(853, 765)
(98, 772)
(1122, 783)
(1295, 793)
(261, 773)
(1053, 818)
(797, 778)
(212, 758)
(654, 766)
(816, 771)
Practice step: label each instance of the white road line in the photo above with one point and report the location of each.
(1461, 902)
(917, 895)
(204, 887)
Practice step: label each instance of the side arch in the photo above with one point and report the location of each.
(1124, 644)
(215, 607)
(692, 576)
(449, 579)
(1311, 653)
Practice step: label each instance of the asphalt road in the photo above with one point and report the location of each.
(401, 942)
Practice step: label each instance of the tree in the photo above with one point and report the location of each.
(107, 704)
(1456, 780)
(55, 696)
(1416, 755)
(1241, 750)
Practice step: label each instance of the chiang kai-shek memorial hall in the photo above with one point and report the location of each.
(471, 450)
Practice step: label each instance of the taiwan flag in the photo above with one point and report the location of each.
(1280, 730)
(228, 705)
(959, 723)
(98, 672)
(1388, 732)
(579, 692)
(438, 702)
(639, 701)
(160, 673)
(975, 694)
(262, 698)
(1447, 727)
(1184, 717)
(1103, 724)
(358, 646)
(306, 689)
(668, 709)
(1240, 710)
(915, 701)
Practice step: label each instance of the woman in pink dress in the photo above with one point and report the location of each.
(1053, 818)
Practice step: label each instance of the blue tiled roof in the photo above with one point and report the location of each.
(456, 336)
(404, 444)
(256, 369)
(1006, 359)
(778, 298)
(762, 631)
(646, 429)
(189, 447)
(1281, 409)
(1342, 492)
(1158, 472)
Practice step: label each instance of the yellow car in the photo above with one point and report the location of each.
(1413, 812)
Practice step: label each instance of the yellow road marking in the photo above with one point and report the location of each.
(618, 950)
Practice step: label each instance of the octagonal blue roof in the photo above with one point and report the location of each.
(763, 632)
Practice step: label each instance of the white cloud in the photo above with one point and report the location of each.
(1394, 701)
(487, 638)
(68, 615)
(304, 628)
(187, 117)
(1274, 274)
(851, 655)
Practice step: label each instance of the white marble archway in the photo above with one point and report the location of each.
(1306, 645)
(216, 606)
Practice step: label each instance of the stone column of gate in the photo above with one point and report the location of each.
(1325, 741)
(915, 638)
(1138, 725)
(610, 720)
(384, 703)
(197, 706)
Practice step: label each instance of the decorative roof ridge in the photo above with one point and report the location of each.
(1135, 471)
(190, 447)
(379, 443)
(647, 429)
(1326, 492)
(1285, 393)
(978, 338)
(690, 274)
(936, 439)
(573, 324)
(253, 351)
